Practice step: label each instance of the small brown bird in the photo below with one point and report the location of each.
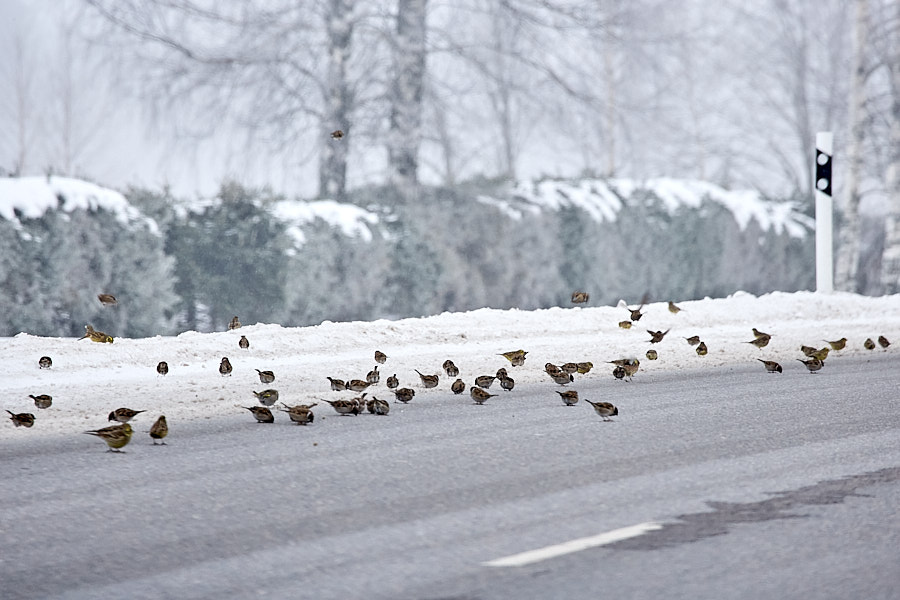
(337, 134)
(123, 415)
(265, 376)
(580, 297)
(428, 381)
(657, 336)
(484, 381)
(631, 367)
(162, 367)
(761, 341)
(569, 397)
(373, 376)
(837, 344)
(625, 324)
(45, 362)
(235, 323)
(42, 401)
(516, 358)
(619, 372)
(562, 378)
(869, 344)
(883, 342)
(243, 343)
(693, 340)
(636, 313)
(808, 350)
(159, 430)
(450, 368)
(107, 299)
(479, 395)
(501, 373)
(225, 367)
(392, 382)
(673, 308)
(552, 369)
(262, 414)
(821, 353)
(266, 397)
(345, 407)
(404, 395)
(570, 368)
(813, 364)
(96, 336)
(300, 414)
(357, 385)
(701, 349)
(380, 357)
(21, 419)
(379, 407)
(458, 386)
(337, 385)
(507, 383)
(771, 366)
(115, 436)
(652, 354)
(585, 367)
(758, 333)
(604, 409)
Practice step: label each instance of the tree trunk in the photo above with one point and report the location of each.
(847, 266)
(405, 135)
(890, 258)
(333, 163)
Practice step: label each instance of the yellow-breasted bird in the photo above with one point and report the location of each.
(516, 358)
(821, 353)
(673, 308)
(450, 369)
(770, 365)
(883, 342)
(580, 297)
(301, 414)
(243, 343)
(162, 367)
(404, 395)
(458, 386)
(159, 430)
(373, 376)
(625, 324)
(761, 341)
(569, 397)
(701, 349)
(584, 367)
(337, 385)
(45, 362)
(428, 381)
(107, 299)
(837, 344)
(225, 367)
(266, 397)
(652, 354)
(869, 344)
(96, 336)
(380, 357)
(235, 323)
(604, 409)
(123, 415)
(392, 382)
(115, 436)
(42, 401)
(693, 340)
(813, 364)
(265, 376)
(479, 395)
(657, 336)
(261, 413)
(21, 419)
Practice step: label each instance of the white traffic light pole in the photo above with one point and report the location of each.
(824, 207)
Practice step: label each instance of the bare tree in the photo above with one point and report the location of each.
(890, 60)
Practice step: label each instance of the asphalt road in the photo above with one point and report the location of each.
(750, 485)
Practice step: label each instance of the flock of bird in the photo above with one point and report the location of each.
(119, 435)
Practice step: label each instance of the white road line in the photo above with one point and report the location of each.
(533, 556)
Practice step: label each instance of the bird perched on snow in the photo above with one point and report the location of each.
(262, 414)
(869, 344)
(162, 367)
(604, 409)
(760, 341)
(159, 430)
(450, 368)
(115, 436)
(243, 343)
(123, 415)
(693, 340)
(345, 407)
(516, 358)
(392, 382)
(758, 333)
(107, 299)
(96, 336)
(404, 395)
(501, 373)
(562, 378)
(673, 308)
(584, 367)
(570, 368)
(357, 385)
(235, 323)
(380, 357)
(428, 381)
(225, 367)
(821, 353)
(507, 383)
(479, 395)
(808, 350)
(771, 366)
(300, 414)
(652, 354)
(265, 376)
(337, 385)
(625, 324)
(813, 364)
(883, 342)
(569, 397)
(45, 362)
(619, 372)
(484, 381)
(580, 297)
(701, 349)
(21, 419)
(42, 401)
(458, 386)
(267, 397)
(657, 336)
(552, 369)
(337, 134)
(837, 344)
(373, 376)
(631, 367)
(379, 407)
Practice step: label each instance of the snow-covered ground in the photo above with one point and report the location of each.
(88, 380)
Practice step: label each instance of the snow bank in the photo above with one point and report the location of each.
(352, 220)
